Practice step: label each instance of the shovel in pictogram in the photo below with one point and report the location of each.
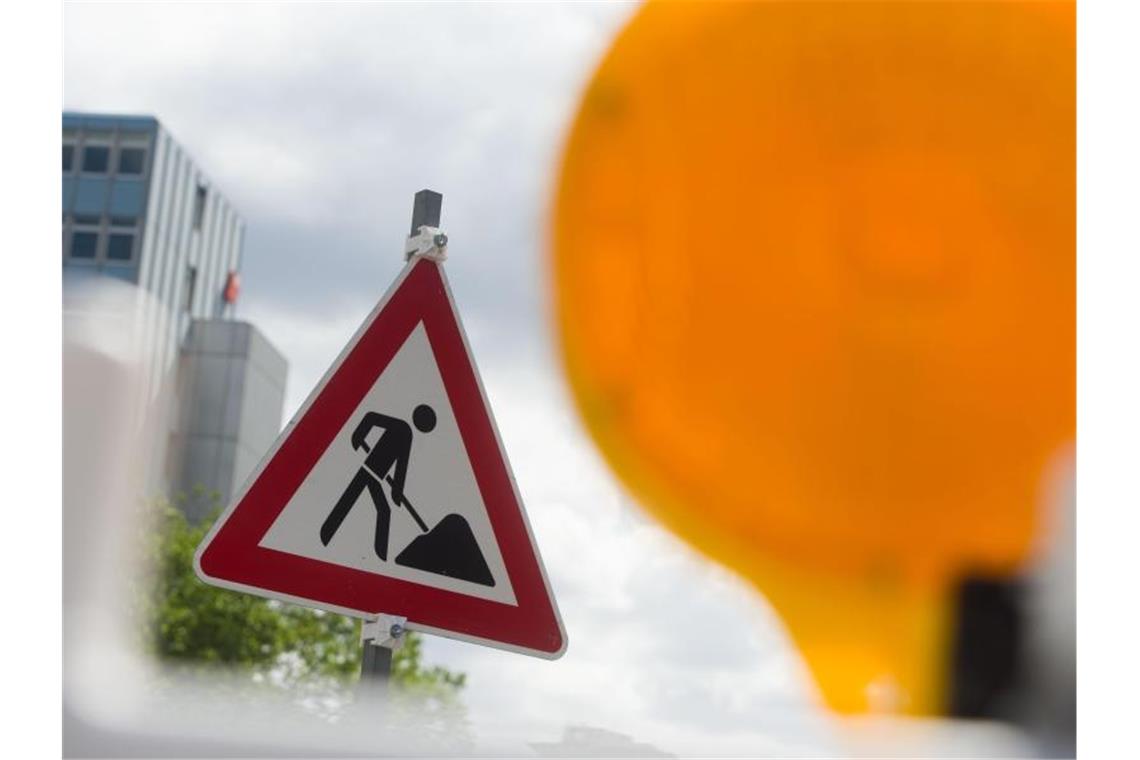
(448, 549)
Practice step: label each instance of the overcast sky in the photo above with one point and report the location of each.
(319, 123)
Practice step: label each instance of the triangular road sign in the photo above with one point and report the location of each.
(389, 492)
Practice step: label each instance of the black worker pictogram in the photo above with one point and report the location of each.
(450, 548)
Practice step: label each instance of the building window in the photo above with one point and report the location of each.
(87, 219)
(68, 157)
(120, 246)
(96, 158)
(191, 281)
(131, 160)
(121, 241)
(84, 244)
(199, 206)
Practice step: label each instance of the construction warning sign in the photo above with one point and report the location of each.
(390, 493)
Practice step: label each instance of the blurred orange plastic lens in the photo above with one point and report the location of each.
(814, 277)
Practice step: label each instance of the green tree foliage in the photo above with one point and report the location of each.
(190, 624)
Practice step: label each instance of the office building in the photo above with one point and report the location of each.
(137, 208)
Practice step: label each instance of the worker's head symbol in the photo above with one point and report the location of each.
(424, 418)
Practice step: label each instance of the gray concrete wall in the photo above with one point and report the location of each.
(233, 386)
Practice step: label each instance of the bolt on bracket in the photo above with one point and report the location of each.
(387, 631)
(429, 242)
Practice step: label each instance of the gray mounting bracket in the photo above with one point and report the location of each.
(386, 631)
(428, 242)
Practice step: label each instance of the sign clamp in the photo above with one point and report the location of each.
(385, 631)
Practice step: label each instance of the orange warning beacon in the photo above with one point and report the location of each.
(814, 281)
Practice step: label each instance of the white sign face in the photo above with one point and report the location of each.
(439, 484)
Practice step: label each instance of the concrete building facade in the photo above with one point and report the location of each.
(233, 385)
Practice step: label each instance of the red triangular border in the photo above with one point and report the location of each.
(230, 556)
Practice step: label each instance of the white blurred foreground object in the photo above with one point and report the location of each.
(105, 429)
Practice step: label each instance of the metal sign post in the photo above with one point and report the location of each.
(383, 635)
